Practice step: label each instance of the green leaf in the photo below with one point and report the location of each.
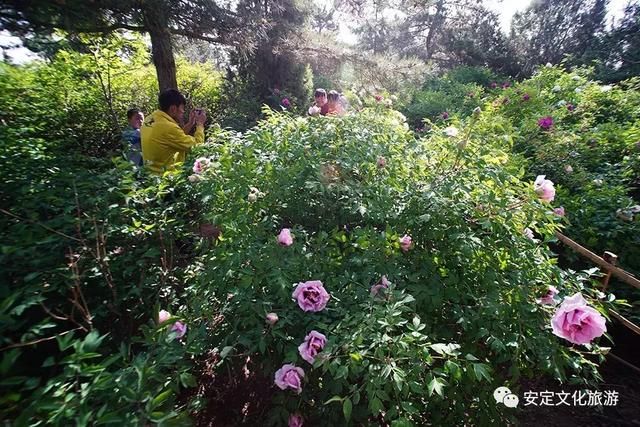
(188, 380)
(481, 371)
(401, 422)
(347, 407)
(375, 406)
(449, 349)
(435, 385)
(225, 351)
(453, 369)
(334, 399)
(161, 398)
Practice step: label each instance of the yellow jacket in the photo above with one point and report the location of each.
(164, 143)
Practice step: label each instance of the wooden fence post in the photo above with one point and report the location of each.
(612, 259)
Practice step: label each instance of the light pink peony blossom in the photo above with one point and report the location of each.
(549, 297)
(528, 233)
(313, 344)
(451, 131)
(382, 284)
(271, 318)
(405, 243)
(576, 322)
(559, 211)
(296, 420)
(200, 165)
(544, 188)
(289, 376)
(285, 238)
(178, 327)
(163, 316)
(311, 296)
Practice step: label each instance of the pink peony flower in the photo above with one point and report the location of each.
(405, 243)
(378, 98)
(545, 123)
(549, 297)
(200, 165)
(296, 420)
(576, 322)
(451, 131)
(445, 115)
(311, 296)
(526, 97)
(313, 344)
(286, 103)
(271, 318)
(559, 211)
(571, 107)
(163, 316)
(505, 85)
(382, 162)
(285, 238)
(493, 85)
(382, 284)
(544, 188)
(528, 233)
(289, 376)
(179, 328)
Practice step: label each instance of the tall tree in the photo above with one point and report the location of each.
(616, 54)
(549, 30)
(322, 18)
(431, 30)
(475, 38)
(206, 20)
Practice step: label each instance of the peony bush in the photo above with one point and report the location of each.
(402, 292)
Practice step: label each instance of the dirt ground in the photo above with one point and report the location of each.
(617, 377)
(241, 399)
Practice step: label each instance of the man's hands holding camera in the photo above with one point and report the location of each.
(200, 116)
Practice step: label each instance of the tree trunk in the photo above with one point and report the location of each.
(161, 50)
(434, 28)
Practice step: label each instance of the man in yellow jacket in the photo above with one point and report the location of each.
(164, 142)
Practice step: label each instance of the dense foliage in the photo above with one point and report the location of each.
(460, 310)
(417, 330)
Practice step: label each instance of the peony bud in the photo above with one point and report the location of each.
(271, 318)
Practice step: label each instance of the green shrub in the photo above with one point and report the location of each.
(460, 316)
